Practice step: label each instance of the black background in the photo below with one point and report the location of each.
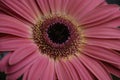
(113, 1)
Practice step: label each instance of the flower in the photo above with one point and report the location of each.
(60, 39)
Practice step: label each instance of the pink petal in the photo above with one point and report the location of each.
(71, 70)
(4, 62)
(106, 43)
(25, 76)
(32, 5)
(58, 6)
(44, 7)
(106, 32)
(32, 74)
(38, 68)
(49, 72)
(52, 6)
(64, 65)
(10, 25)
(112, 70)
(112, 21)
(22, 53)
(16, 75)
(10, 44)
(61, 72)
(105, 3)
(20, 9)
(85, 6)
(94, 67)
(116, 66)
(27, 61)
(63, 6)
(100, 13)
(103, 54)
(80, 69)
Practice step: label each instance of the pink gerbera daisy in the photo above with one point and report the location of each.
(60, 39)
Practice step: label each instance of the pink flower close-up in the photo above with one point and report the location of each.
(59, 39)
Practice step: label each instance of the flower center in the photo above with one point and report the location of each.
(58, 33)
(57, 37)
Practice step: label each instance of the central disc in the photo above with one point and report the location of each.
(57, 37)
(58, 33)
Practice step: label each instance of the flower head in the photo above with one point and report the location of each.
(60, 39)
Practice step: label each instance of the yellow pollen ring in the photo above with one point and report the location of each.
(78, 45)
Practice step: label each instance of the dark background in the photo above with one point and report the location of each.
(2, 75)
(113, 1)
